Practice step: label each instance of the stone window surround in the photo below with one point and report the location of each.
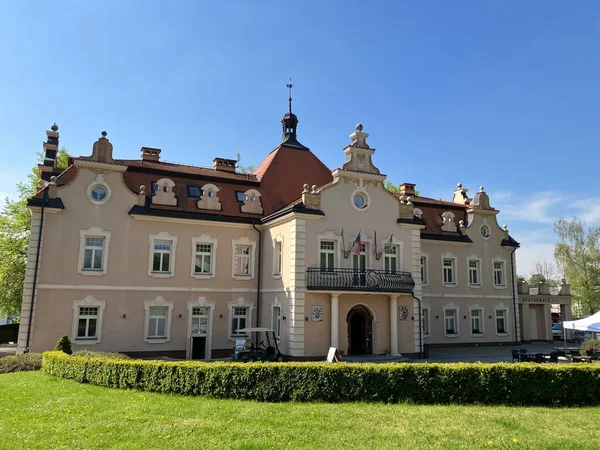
(427, 307)
(204, 239)
(503, 261)
(452, 306)
(479, 272)
(92, 301)
(472, 308)
(361, 190)
(278, 239)
(98, 181)
(501, 307)
(276, 304)
(243, 241)
(396, 242)
(162, 236)
(454, 269)
(241, 302)
(93, 232)
(425, 281)
(158, 301)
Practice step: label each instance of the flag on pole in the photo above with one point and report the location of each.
(375, 243)
(388, 244)
(358, 244)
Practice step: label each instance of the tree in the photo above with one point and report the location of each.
(246, 169)
(393, 188)
(15, 224)
(544, 272)
(578, 256)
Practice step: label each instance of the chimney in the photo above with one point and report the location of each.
(407, 189)
(48, 167)
(224, 165)
(150, 154)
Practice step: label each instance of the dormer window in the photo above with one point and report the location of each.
(240, 197)
(194, 191)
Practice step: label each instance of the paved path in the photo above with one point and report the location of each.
(8, 349)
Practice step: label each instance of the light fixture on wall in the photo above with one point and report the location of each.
(124, 316)
(284, 317)
(490, 317)
(437, 317)
(180, 316)
(464, 317)
(306, 318)
(220, 316)
(412, 317)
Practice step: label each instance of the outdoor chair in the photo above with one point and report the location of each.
(553, 357)
(516, 357)
(522, 350)
(539, 358)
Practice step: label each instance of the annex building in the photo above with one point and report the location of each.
(152, 258)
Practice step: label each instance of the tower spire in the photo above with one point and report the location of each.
(290, 86)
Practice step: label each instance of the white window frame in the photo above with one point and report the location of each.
(93, 302)
(503, 261)
(473, 308)
(327, 252)
(501, 307)
(479, 283)
(158, 302)
(453, 307)
(329, 235)
(93, 232)
(426, 320)
(162, 236)
(239, 303)
(276, 304)
(278, 257)
(204, 239)
(392, 256)
(454, 270)
(246, 242)
(424, 269)
(201, 302)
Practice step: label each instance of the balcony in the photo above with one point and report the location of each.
(362, 281)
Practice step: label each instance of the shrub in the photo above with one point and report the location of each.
(421, 383)
(588, 346)
(64, 345)
(17, 363)
(105, 355)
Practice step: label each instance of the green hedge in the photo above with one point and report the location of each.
(421, 383)
(18, 363)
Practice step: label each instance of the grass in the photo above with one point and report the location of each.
(39, 411)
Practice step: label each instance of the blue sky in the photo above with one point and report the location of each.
(499, 93)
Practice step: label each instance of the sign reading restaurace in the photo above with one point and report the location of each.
(540, 299)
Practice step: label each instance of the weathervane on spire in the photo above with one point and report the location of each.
(289, 86)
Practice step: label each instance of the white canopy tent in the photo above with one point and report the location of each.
(591, 323)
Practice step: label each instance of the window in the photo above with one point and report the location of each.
(499, 280)
(158, 320)
(425, 319)
(360, 200)
(243, 258)
(501, 324)
(87, 320)
(449, 271)
(327, 254)
(154, 187)
(474, 272)
(93, 251)
(204, 255)
(276, 318)
(391, 259)
(239, 316)
(476, 321)
(194, 191)
(200, 317)
(161, 261)
(278, 258)
(240, 197)
(98, 193)
(162, 255)
(450, 321)
(484, 231)
(424, 269)
(204, 249)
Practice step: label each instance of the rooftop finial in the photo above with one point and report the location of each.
(289, 86)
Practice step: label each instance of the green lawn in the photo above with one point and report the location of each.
(40, 411)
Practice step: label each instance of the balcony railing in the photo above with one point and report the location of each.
(368, 280)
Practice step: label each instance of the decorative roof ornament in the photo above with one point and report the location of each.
(290, 125)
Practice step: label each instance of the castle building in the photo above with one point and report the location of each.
(153, 258)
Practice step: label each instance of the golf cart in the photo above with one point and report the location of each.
(259, 344)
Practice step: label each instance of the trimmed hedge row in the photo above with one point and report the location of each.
(421, 383)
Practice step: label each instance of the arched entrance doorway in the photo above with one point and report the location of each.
(360, 331)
